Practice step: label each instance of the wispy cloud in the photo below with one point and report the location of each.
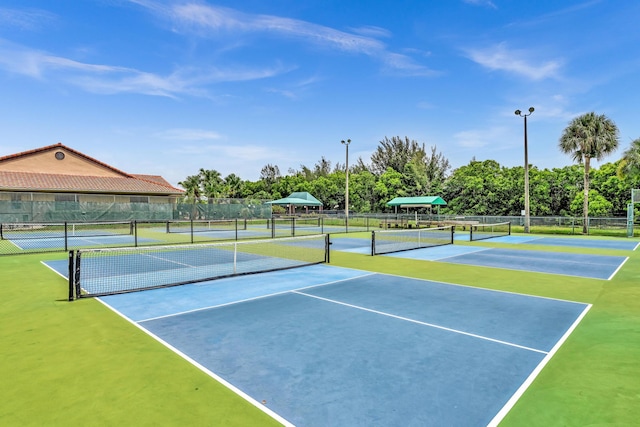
(372, 31)
(478, 138)
(556, 14)
(27, 19)
(501, 58)
(210, 21)
(109, 79)
(181, 134)
(225, 151)
(484, 3)
(204, 21)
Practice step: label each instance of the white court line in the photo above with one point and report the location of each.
(252, 298)
(527, 257)
(462, 254)
(213, 375)
(54, 270)
(526, 271)
(432, 325)
(168, 260)
(525, 385)
(618, 269)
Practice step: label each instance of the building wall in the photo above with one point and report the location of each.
(46, 162)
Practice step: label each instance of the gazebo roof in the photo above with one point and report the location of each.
(297, 199)
(417, 202)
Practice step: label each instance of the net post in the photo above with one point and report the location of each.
(168, 226)
(327, 252)
(630, 219)
(76, 275)
(71, 271)
(509, 230)
(273, 227)
(134, 228)
(373, 242)
(452, 231)
(293, 226)
(236, 226)
(66, 237)
(1, 235)
(191, 224)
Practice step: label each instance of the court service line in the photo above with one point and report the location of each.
(462, 254)
(286, 291)
(169, 260)
(432, 325)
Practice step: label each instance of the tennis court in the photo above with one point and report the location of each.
(60, 236)
(436, 244)
(618, 244)
(580, 265)
(78, 242)
(322, 345)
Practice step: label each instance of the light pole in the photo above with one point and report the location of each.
(527, 216)
(346, 192)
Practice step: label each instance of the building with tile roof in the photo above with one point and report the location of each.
(74, 184)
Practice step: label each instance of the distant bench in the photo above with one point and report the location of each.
(395, 223)
(406, 223)
(443, 223)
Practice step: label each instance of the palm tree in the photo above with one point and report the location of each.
(192, 187)
(211, 182)
(589, 136)
(233, 184)
(630, 164)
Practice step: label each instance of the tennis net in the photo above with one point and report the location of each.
(488, 231)
(203, 226)
(99, 272)
(63, 230)
(387, 241)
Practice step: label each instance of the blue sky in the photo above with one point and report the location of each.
(169, 87)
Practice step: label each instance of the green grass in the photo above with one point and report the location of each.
(81, 364)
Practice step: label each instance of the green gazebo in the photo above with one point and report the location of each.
(303, 199)
(417, 202)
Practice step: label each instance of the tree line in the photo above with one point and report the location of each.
(401, 167)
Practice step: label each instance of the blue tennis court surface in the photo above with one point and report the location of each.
(321, 345)
(580, 265)
(619, 244)
(351, 244)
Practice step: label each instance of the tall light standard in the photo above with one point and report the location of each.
(527, 217)
(346, 193)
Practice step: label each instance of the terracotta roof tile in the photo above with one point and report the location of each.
(156, 179)
(26, 181)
